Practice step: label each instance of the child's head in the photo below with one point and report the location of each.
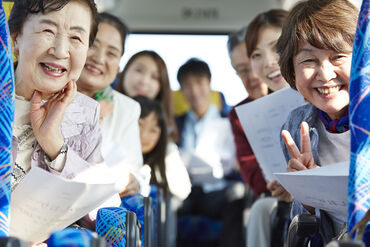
(316, 60)
(153, 135)
(152, 123)
(262, 35)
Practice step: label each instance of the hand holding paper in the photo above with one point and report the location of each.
(279, 191)
(324, 188)
(44, 202)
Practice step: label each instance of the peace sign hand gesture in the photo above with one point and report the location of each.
(301, 160)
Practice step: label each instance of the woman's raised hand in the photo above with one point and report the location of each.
(46, 119)
(301, 160)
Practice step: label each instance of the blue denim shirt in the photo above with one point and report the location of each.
(307, 113)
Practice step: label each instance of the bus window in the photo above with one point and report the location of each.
(177, 49)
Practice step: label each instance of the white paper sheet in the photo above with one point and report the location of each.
(324, 188)
(44, 202)
(214, 155)
(262, 120)
(199, 170)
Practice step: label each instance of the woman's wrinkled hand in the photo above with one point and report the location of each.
(46, 119)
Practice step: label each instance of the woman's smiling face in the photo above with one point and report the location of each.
(103, 57)
(264, 59)
(322, 77)
(142, 78)
(52, 49)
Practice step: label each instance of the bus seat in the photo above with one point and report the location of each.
(181, 106)
(198, 231)
(345, 243)
(280, 219)
(78, 237)
(12, 242)
(118, 227)
(301, 229)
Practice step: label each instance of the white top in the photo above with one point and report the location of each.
(121, 137)
(333, 148)
(121, 128)
(208, 149)
(176, 173)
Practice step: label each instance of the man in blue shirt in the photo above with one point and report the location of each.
(207, 146)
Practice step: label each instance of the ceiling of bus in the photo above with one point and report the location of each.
(189, 16)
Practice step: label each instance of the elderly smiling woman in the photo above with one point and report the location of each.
(55, 128)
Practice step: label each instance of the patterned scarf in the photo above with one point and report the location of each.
(337, 125)
(106, 93)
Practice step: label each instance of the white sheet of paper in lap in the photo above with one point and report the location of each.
(324, 188)
(261, 120)
(44, 202)
(214, 155)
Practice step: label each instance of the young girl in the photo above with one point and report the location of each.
(166, 173)
(317, 62)
(146, 74)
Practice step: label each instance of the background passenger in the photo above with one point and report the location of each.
(317, 62)
(262, 35)
(145, 74)
(171, 176)
(249, 168)
(206, 134)
(119, 113)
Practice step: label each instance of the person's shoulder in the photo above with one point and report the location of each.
(172, 147)
(244, 101)
(83, 111)
(298, 115)
(302, 112)
(85, 102)
(232, 113)
(84, 107)
(125, 101)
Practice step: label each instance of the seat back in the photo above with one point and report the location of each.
(111, 225)
(345, 243)
(171, 222)
(161, 217)
(149, 224)
(133, 230)
(301, 229)
(78, 237)
(12, 242)
(280, 219)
